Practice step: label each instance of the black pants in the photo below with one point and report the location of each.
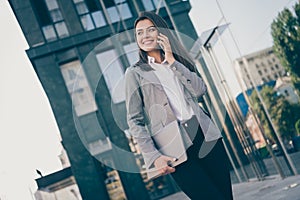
(207, 178)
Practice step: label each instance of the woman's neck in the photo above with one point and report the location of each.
(156, 55)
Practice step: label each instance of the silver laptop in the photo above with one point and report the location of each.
(170, 143)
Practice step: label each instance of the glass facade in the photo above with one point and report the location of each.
(92, 16)
(150, 5)
(90, 13)
(57, 20)
(131, 51)
(50, 19)
(113, 74)
(77, 84)
(118, 10)
(57, 28)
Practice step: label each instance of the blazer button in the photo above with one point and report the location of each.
(173, 68)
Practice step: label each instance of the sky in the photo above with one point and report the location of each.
(29, 137)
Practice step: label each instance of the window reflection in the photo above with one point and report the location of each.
(113, 14)
(117, 10)
(98, 18)
(61, 29)
(77, 84)
(87, 22)
(56, 27)
(132, 51)
(150, 5)
(49, 33)
(90, 13)
(113, 74)
(124, 10)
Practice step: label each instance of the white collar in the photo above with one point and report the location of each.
(151, 60)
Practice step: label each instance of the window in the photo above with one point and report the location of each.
(132, 53)
(259, 72)
(113, 71)
(113, 74)
(250, 59)
(269, 62)
(41, 11)
(77, 84)
(248, 77)
(286, 93)
(153, 4)
(257, 66)
(117, 10)
(90, 13)
(50, 19)
(276, 66)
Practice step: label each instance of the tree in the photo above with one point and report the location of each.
(297, 126)
(284, 118)
(259, 110)
(283, 114)
(285, 30)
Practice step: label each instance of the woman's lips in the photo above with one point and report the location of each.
(148, 42)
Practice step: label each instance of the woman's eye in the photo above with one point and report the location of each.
(152, 29)
(139, 33)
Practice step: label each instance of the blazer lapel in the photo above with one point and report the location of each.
(147, 73)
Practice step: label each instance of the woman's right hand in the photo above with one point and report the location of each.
(161, 163)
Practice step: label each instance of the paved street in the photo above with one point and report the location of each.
(273, 188)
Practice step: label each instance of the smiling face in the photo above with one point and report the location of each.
(146, 35)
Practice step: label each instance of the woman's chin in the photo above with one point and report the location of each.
(150, 48)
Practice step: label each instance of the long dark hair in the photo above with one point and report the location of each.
(179, 52)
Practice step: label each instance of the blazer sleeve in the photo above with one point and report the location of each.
(136, 118)
(193, 83)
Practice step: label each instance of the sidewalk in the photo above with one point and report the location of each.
(273, 188)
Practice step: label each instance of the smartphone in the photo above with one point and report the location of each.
(162, 48)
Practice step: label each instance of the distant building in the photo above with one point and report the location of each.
(282, 86)
(63, 157)
(255, 131)
(60, 35)
(263, 66)
(58, 185)
(250, 122)
(87, 98)
(241, 101)
(285, 87)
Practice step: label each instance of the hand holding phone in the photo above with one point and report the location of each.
(160, 45)
(165, 45)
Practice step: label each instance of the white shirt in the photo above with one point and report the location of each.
(173, 89)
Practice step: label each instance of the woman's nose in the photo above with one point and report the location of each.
(146, 34)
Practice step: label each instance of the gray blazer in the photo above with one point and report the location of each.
(149, 110)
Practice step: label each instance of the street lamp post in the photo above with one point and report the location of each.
(242, 132)
(279, 142)
(275, 160)
(257, 121)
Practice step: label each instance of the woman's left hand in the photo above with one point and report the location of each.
(164, 42)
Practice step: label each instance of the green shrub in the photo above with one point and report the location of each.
(297, 126)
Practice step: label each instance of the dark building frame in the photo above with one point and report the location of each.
(51, 47)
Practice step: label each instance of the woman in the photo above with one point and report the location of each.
(162, 87)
